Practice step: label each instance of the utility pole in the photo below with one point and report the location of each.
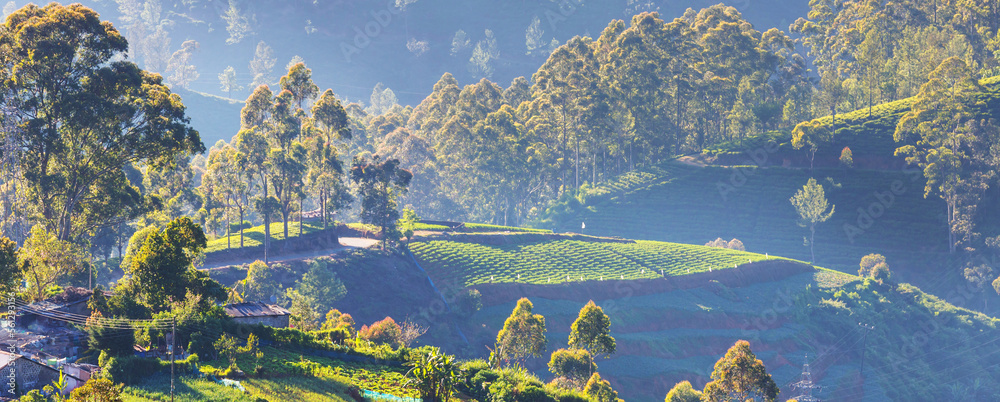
(864, 342)
(173, 342)
(806, 384)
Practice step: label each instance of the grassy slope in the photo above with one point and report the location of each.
(695, 205)
(678, 335)
(253, 237)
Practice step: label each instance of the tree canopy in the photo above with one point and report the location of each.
(523, 334)
(740, 376)
(83, 116)
(592, 331)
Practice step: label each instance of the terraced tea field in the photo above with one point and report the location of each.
(697, 205)
(463, 260)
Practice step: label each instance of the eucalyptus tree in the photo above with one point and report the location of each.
(253, 146)
(568, 83)
(287, 156)
(942, 135)
(380, 183)
(228, 82)
(84, 115)
(330, 120)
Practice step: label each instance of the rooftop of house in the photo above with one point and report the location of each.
(255, 309)
(7, 358)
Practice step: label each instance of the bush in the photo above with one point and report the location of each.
(881, 274)
(575, 365)
(112, 341)
(235, 227)
(130, 369)
(201, 345)
(683, 392)
(469, 302)
(847, 157)
(385, 331)
(868, 264)
(99, 389)
(336, 336)
(478, 376)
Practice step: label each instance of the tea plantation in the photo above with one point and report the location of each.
(558, 259)
(876, 211)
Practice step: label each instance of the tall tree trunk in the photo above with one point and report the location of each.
(322, 207)
(576, 163)
(812, 242)
(241, 227)
(267, 224)
(229, 228)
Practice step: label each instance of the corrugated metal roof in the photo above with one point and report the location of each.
(254, 309)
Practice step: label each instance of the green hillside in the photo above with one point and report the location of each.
(869, 135)
(674, 333)
(686, 204)
(476, 259)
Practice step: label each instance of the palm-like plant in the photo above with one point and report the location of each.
(434, 375)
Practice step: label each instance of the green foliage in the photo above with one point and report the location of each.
(592, 331)
(810, 202)
(163, 268)
(407, 223)
(58, 56)
(683, 392)
(320, 283)
(847, 157)
(379, 184)
(113, 341)
(599, 389)
(262, 281)
(575, 365)
(337, 320)
(10, 272)
(469, 301)
(132, 370)
(45, 259)
(522, 335)
(98, 390)
(33, 396)
(943, 135)
(434, 374)
(304, 311)
(529, 258)
(739, 376)
(868, 264)
(227, 346)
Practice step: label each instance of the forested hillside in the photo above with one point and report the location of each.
(427, 166)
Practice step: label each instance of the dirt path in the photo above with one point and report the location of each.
(696, 161)
(346, 243)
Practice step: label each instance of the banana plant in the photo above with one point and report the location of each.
(434, 375)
